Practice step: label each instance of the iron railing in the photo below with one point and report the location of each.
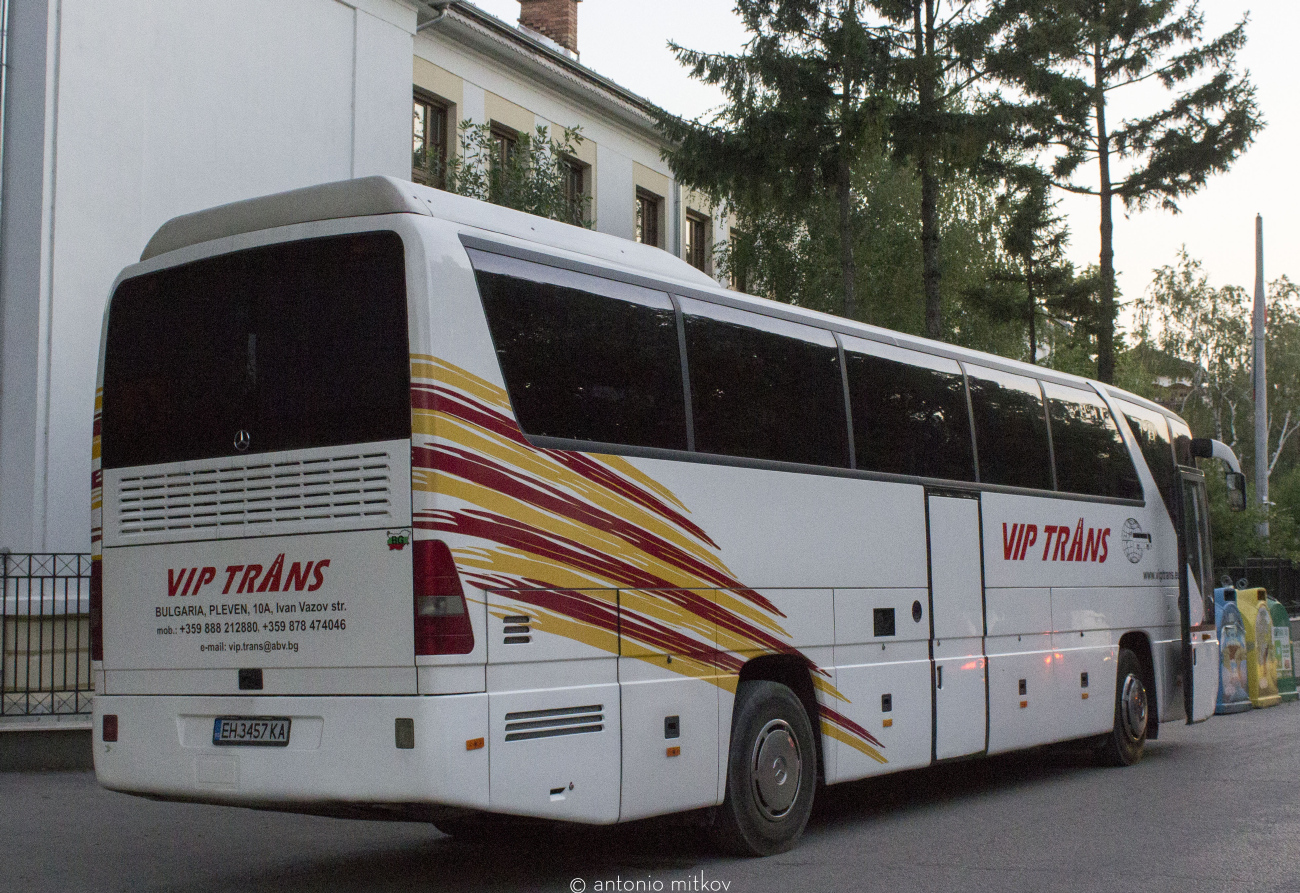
(1280, 576)
(45, 634)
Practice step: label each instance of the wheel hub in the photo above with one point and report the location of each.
(777, 765)
(1133, 708)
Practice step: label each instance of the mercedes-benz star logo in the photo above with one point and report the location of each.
(242, 440)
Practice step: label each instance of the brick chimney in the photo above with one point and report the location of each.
(557, 19)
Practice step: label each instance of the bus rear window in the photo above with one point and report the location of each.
(299, 344)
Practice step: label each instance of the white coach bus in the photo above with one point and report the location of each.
(407, 505)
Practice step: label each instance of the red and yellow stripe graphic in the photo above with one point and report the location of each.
(599, 552)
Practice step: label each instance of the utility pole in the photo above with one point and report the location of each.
(1260, 321)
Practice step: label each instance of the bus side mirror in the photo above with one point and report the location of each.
(1236, 483)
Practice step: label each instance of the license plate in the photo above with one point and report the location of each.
(251, 731)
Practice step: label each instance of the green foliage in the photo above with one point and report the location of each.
(1198, 338)
(792, 257)
(821, 90)
(1234, 534)
(532, 175)
(1194, 355)
(1034, 285)
(1076, 57)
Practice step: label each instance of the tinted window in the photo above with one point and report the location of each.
(1182, 442)
(1090, 453)
(1010, 429)
(583, 357)
(909, 412)
(1151, 432)
(301, 344)
(764, 389)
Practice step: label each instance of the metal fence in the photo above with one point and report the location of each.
(45, 634)
(1280, 576)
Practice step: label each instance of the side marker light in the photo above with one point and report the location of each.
(674, 751)
(474, 744)
(888, 723)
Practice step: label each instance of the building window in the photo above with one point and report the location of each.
(575, 190)
(697, 240)
(503, 145)
(429, 141)
(647, 218)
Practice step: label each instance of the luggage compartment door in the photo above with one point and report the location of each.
(957, 625)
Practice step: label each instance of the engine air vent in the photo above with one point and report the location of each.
(233, 494)
(525, 725)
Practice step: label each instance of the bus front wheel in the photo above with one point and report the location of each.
(771, 772)
(1124, 745)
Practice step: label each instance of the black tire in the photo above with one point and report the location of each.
(766, 806)
(1127, 738)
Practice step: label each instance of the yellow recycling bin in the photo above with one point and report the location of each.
(1261, 659)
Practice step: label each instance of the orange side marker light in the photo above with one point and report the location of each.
(888, 723)
(1024, 704)
(474, 744)
(674, 751)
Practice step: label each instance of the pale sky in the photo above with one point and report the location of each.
(626, 41)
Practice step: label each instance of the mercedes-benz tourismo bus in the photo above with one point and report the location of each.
(410, 505)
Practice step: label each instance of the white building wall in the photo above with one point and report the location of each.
(617, 146)
(161, 109)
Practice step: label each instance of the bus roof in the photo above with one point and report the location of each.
(371, 196)
(377, 195)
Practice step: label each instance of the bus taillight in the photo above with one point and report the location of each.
(96, 610)
(441, 617)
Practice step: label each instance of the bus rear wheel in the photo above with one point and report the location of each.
(771, 772)
(1127, 738)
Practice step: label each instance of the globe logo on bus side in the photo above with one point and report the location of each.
(1136, 543)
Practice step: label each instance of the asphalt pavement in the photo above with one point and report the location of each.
(1213, 807)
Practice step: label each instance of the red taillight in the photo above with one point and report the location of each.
(96, 609)
(110, 726)
(441, 616)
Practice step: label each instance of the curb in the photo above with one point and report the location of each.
(46, 743)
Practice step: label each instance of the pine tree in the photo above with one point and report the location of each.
(1074, 57)
(1035, 282)
(803, 105)
(821, 87)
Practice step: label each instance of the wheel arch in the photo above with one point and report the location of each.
(1140, 644)
(791, 670)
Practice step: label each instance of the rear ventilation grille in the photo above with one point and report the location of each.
(236, 494)
(526, 725)
(517, 631)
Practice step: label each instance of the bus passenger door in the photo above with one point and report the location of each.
(957, 625)
(1196, 599)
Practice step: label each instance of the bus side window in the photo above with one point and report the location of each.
(763, 388)
(1010, 429)
(1151, 432)
(584, 358)
(1182, 442)
(1091, 456)
(909, 411)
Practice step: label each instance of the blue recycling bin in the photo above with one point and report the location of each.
(1234, 691)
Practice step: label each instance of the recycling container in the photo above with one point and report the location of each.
(1233, 694)
(1284, 651)
(1261, 662)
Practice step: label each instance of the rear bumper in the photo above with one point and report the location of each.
(342, 751)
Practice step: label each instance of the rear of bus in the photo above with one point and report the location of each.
(259, 603)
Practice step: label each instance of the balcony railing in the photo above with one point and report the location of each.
(45, 634)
